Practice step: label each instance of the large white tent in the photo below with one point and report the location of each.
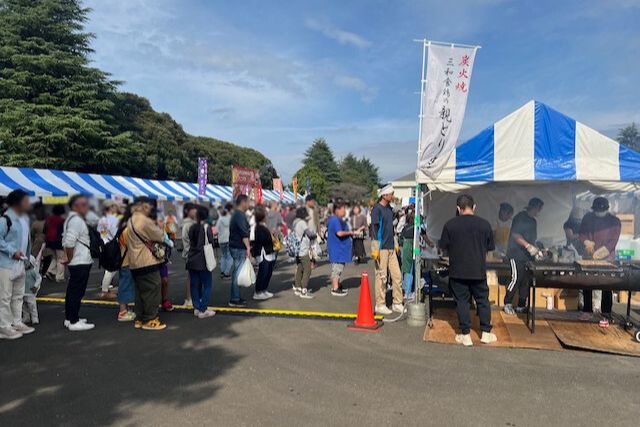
(535, 151)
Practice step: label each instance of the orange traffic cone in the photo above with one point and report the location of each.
(365, 321)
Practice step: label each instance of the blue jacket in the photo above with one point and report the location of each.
(10, 242)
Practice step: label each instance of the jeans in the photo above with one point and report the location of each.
(77, 286)
(265, 270)
(226, 262)
(11, 293)
(238, 256)
(126, 287)
(407, 283)
(201, 284)
(462, 290)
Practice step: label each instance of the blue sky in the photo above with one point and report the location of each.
(274, 75)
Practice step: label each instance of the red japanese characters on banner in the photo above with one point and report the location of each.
(246, 181)
(277, 186)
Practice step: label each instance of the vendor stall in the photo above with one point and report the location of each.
(56, 183)
(535, 152)
(538, 152)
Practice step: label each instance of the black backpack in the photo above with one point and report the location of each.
(111, 257)
(9, 223)
(96, 244)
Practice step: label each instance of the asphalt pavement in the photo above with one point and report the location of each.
(234, 370)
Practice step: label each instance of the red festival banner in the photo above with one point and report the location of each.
(277, 186)
(246, 181)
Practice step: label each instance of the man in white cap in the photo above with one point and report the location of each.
(383, 251)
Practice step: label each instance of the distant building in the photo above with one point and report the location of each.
(405, 187)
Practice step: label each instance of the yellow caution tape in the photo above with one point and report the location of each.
(231, 310)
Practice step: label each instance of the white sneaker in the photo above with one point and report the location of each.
(398, 308)
(465, 340)
(383, 309)
(188, 303)
(68, 322)
(488, 338)
(23, 329)
(268, 294)
(296, 290)
(206, 313)
(260, 296)
(305, 294)
(196, 313)
(80, 326)
(9, 334)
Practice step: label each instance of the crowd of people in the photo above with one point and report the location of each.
(64, 244)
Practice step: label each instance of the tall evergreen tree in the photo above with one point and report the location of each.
(320, 156)
(630, 136)
(55, 110)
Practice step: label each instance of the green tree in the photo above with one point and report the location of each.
(56, 110)
(630, 136)
(360, 172)
(319, 185)
(320, 156)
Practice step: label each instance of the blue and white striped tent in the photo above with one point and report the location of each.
(538, 143)
(535, 152)
(48, 182)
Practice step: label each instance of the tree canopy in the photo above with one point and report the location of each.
(56, 111)
(630, 136)
(351, 178)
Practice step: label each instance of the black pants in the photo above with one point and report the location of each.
(265, 270)
(519, 283)
(77, 286)
(148, 296)
(607, 301)
(462, 290)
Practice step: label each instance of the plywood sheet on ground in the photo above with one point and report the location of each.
(445, 327)
(521, 336)
(511, 333)
(590, 336)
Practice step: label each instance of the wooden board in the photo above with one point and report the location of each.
(445, 328)
(590, 336)
(510, 330)
(521, 336)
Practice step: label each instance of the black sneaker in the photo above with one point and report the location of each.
(238, 304)
(521, 310)
(339, 292)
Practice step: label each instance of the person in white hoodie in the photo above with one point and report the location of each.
(76, 243)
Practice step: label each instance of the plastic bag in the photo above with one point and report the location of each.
(209, 255)
(17, 270)
(246, 276)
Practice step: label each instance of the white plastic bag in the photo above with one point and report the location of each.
(17, 270)
(209, 255)
(246, 275)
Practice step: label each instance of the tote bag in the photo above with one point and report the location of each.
(209, 255)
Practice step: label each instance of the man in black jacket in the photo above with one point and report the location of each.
(467, 239)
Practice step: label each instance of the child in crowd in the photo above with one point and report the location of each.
(32, 282)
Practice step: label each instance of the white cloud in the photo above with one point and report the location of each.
(334, 33)
(367, 92)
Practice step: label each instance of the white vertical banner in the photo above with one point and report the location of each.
(444, 100)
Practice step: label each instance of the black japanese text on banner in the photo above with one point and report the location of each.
(444, 99)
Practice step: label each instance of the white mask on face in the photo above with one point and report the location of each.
(601, 214)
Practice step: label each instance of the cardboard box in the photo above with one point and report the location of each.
(541, 297)
(623, 297)
(496, 295)
(566, 299)
(627, 223)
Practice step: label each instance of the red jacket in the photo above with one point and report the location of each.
(604, 231)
